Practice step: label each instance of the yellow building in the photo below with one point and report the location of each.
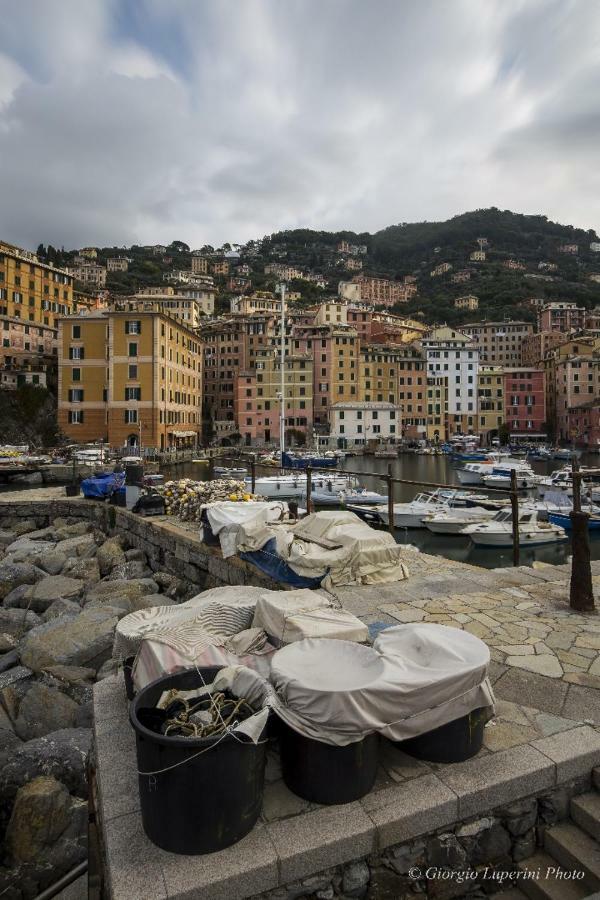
(129, 375)
(32, 296)
(32, 291)
(490, 396)
(378, 373)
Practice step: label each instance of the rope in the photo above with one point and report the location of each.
(227, 732)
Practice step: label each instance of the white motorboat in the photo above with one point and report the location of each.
(386, 453)
(274, 487)
(498, 531)
(411, 515)
(355, 496)
(474, 472)
(564, 453)
(452, 521)
(226, 472)
(500, 476)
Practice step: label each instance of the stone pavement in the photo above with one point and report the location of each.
(543, 654)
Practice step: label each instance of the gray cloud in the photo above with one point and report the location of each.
(226, 120)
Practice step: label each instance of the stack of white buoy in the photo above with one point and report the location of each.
(185, 498)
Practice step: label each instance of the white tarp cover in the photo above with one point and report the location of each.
(288, 616)
(413, 680)
(229, 512)
(359, 555)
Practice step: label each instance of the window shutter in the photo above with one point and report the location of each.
(70, 396)
(139, 326)
(70, 353)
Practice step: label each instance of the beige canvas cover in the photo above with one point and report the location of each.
(414, 679)
(288, 616)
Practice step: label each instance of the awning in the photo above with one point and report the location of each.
(183, 434)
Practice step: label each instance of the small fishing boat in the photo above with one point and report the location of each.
(500, 476)
(230, 472)
(498, 531)
(452, 521)
(564, 520)
(564, 453)
(411, 515)
(356, 497)
(386, 453)
(292, 460)
(200, 461)
(540, 453)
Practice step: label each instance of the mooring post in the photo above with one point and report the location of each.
(514, 503)
(253, 472)
(309, 489)
(581, 595)
(390, 486)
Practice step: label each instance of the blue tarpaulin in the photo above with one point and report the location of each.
(102, 486)
(267, 560)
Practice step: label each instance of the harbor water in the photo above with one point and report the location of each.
(439, 469)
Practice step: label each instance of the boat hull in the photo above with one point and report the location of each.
(526, 539)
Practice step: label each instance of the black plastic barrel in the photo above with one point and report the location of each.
(207, 801)
(454, 742)
(326, 774)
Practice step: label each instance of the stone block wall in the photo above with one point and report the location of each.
(473, 856)
(169, 547)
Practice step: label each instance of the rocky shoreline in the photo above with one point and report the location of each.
(63, 588)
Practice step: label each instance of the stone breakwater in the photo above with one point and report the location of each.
(63, 588)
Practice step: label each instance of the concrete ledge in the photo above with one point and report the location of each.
(305, 844)
(415, 807)
(574, 752)
(499, 778)
(325, 837)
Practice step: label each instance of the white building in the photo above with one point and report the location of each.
(452, 355)
(595, 247)
(359, 423)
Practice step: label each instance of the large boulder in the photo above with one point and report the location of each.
(17, 621)
(24, 546)
(14, 574)
(6, 537)
(18, 598)
(76, 529)
(61, 608)
(43, 710)
(85, 545)
(51, 561)
(120, 592)
(54, 587)
(85, 569)
(109, 555)
(40, 815)
(61, 754)
(129, 570)
(23, 526)
(83, 640)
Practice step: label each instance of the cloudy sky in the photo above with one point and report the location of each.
(140, 121)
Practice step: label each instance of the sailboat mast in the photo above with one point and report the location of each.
(282, 361)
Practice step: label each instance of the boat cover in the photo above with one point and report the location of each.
(225, 611)
(414, 679)
(228, 512)
(333, 547)
(288, 616)
(101, 486)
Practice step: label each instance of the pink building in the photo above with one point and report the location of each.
(584, 424)
(525, 403)
(576, 384)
